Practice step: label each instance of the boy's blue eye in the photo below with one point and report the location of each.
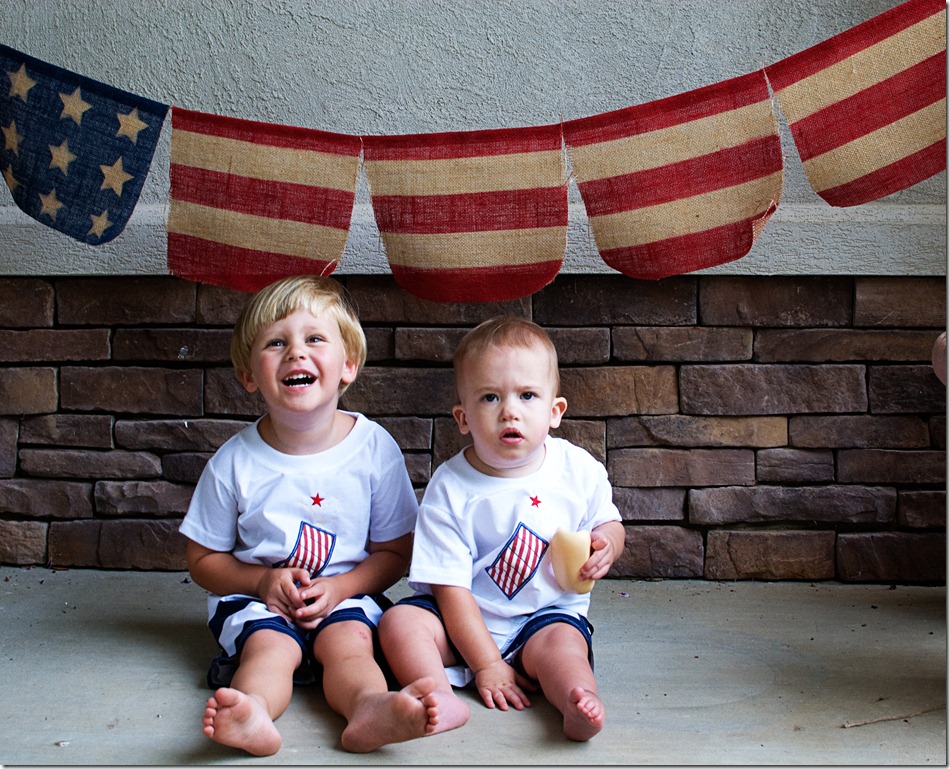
(528, 396)
(490, 398)
(275, 343)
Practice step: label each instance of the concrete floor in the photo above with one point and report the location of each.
(108, 668)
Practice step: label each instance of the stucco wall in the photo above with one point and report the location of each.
(405, 66)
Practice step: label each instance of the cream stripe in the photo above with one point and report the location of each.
(674, 144)
(277, 164)
(476, 249)
(686, 216)
(872, 151)
(865, 68)
(310, 241)
(487, 173)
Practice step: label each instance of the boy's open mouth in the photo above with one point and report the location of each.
(511, 435)
(299, 380)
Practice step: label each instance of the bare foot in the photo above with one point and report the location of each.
(451, 711)
(233, 718)
(584, 714)
(387, 717)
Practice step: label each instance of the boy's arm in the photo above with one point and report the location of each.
(223, 574)
(607, 541)
(495, 680)
(385, 565)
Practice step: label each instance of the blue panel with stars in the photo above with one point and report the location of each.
(74, 152)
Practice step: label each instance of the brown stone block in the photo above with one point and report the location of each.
(681, 344)
(155, 499)
(411, 433)
(28, 390)
(224, 395)
(176, 434)
(860, 431)
(8, 447)
(90, 431)
(419, 467)
(33, 498)
(775, 555)
(841, 345)
(447, 441)
(581, 346)
(588, 434)
(681, 467)
(922, 509)
(890, 556)
(379, 299)
(126, 301)
(905, 389)
(885, 466)
(74, 543)
(401, 392)
(22, 543)
(772, 389)
(132, 544)
(52, 345)
(436, 345)
(900, 301)
(804, 504)
(185, 467)
(602, 300)
(636, 504)
(132, 390)
(219, 306)
(659, 552)
(619, 390)
(675, 430)
(794, 466)
(70, 463)
(26, 303)
(380, 344)
(178, 345)
(775, 301)
(938, 432)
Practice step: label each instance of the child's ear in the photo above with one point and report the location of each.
(459, 413)
(557, 411)
(350, 370)
(246, 378)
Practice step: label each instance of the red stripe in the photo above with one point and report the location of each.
(706, 173)
(673, 110)
(684, 253)
(883, 103)
(893, 177)
(472, 212)
(268, 134)
(838, 48)
(465, 144)
(476, 284)
(275, 200)
(244, 269)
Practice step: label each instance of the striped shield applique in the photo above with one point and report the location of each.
(73, 151)
(476, 216)
(312, 550)
(255, 202)
(518, 561)
(868, 107)
(682, 183)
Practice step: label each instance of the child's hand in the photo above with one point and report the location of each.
(497, 684)
(278, 589)
(319, 598)
(605, 552)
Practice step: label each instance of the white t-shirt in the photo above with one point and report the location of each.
(316, 511)
(490, 535)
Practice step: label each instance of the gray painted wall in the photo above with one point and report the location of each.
(407, 66)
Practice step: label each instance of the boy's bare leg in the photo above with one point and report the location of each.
(243, 714)
(416, 646)
(556, 656)
(356, 688)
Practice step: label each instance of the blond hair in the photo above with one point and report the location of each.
(319, 295)
(504, 331)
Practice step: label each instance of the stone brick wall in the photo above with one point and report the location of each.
(753, 427)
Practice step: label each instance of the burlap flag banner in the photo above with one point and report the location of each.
(75, 151)
(868, 107)
(253, 202)
(682, 183)
(470, 217)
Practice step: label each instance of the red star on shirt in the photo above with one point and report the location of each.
(535, 502)
(317, 500)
